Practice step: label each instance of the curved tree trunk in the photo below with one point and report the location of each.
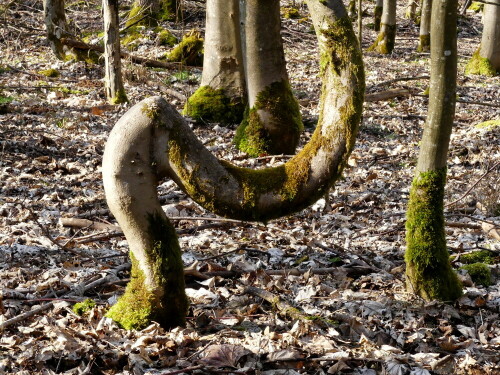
(377, 14)
(424, 44)
(222, 93)
(385, 40)
(273, 123)
(113, 84)
(428, 268)
(55, 24)
(152, 141)
(486, 60)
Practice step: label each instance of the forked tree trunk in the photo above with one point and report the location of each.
(152, 141)
(385, 40)
(55, 24)
(222, 93)
(113, 84)
(486, 60)
(424, 44)
(273, 123)
(377, 14)
(428, 269)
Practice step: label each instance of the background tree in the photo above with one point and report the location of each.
(56, 26)
(424, 43)
(377, 14)
(273, 123)
(152, 141)
(428, 269)
(486, 60)
(385, 40)
(411, 9)
(113, 84)
(222, 93)
(149, 12)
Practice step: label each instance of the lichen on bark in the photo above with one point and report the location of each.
(429, 272)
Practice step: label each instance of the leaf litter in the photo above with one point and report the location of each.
(319, 292)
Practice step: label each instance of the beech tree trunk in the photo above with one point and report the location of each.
(149, 12)
(377, 14)
(55, 24)
(424, 44)
(486, 60)
(113, 84)
(222, 93)
(273, 123)
(152, 141)
(384, 43)
(428, 269)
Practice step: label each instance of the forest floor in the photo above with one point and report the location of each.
(347, 252)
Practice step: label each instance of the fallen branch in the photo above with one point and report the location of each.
(385, 95)
(385, 83)
(88, 224)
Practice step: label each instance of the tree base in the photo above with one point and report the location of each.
(384, 44)
(480, 66)
(424, 43)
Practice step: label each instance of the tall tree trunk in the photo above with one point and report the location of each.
(55, 23)
(152, 141)
(411, 10)
(428, 269)
(424, 44)
(486, 60)
(385, 40)
(360, 22)
(377, 14)
(113, 84)
(222, 93)
(273, 123)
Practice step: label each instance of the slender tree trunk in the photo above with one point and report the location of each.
(377, 14)
(411, 10)
(222, 93)
(273, 123)
(425, 27)
(152, 141)
(113, 84)
(360, 22)
(486, 60)
(428, 268)
(385, 40)
(55, 23)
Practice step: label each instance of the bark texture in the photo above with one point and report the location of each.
(222, 93)
(377, 14)
(424, 44)
(273, 123)
(113, 84)
(152, 141)
(428, 269)
(384, 43)
(55, 24)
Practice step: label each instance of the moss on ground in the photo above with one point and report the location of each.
(428, 267)
(81, 308)
(480, 66)
(479, 273)
(213, 105)
(290, 13)
(254, 136)
(476, 6)
(189, 51)
(166, 38)
(488, 125)
(483, 256)
(51, 73)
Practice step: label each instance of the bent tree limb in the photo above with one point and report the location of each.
(152, 141)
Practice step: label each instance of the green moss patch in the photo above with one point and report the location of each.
(189, 51)
(488, 125)
(211, 105)
(384, 43)
(166, 38)
(476, 6)
(51, 73)
(290, 13)
(5, 99)
(254, 137)
(480, 65)
(428, 267)
(479, 273)
(81, 308)
(424, 43)
(483, 256)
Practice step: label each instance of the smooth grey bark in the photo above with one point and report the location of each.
(272, 125)
(425, 26)
(55, 24)
(428, 269)
(152, 141)
(222, 93)
(113, 83)
(384, 43)
(490, 40)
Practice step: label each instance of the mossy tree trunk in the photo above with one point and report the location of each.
(222, 93)
(56, 26)
(428, 269)
(149, 12)
(384, 43)
(152, 141)
(377, 14)
(113, 84)
(273, 123)
(424, 44)
(486, 60)
(411, 10)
